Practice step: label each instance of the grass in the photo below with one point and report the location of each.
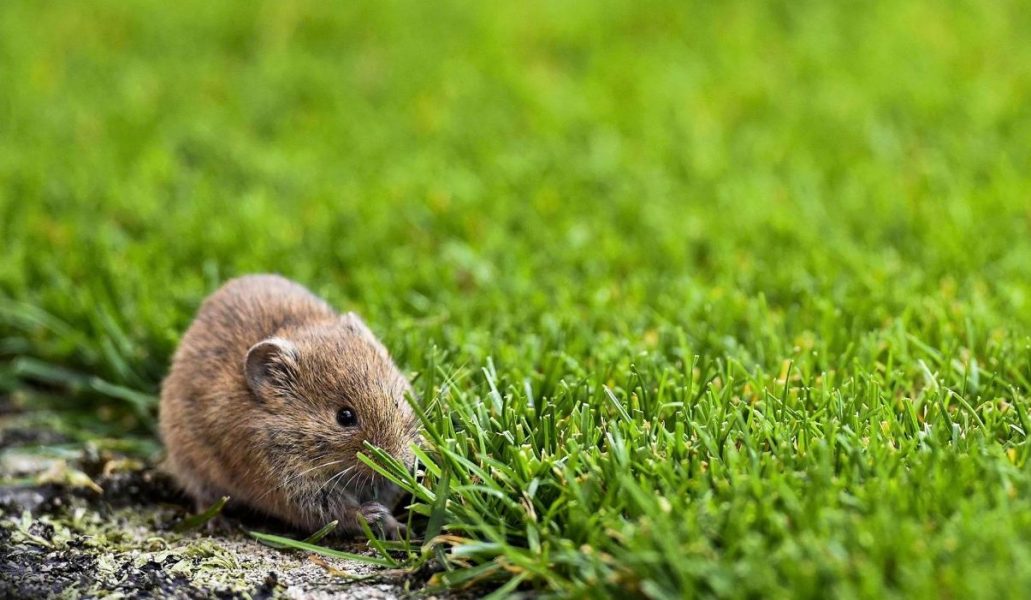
(707, 299)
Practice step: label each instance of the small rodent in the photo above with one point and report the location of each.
(271, 395)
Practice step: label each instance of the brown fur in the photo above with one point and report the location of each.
(249, 407)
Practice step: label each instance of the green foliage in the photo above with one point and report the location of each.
(711, 299)
(202, 518)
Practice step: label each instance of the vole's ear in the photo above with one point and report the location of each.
(270, 364)
(353, 322)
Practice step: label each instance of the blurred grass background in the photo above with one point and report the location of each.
(573, 190)
(475, 175)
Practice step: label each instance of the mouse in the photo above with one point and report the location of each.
(271, 395)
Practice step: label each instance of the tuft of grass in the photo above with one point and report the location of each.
(711, 480)
(704, 300)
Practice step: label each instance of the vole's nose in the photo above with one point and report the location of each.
(406, 457)
(391, 444)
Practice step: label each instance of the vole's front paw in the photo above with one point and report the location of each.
(380, 518)
(218, 525)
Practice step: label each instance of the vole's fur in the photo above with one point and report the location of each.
(249, 408)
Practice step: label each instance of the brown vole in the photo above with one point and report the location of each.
(270, 396)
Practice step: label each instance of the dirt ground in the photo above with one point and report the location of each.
(86, 521)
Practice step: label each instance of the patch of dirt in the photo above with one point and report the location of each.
(98, 524)
(25, 437)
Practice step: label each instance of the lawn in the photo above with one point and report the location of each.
(704, 299)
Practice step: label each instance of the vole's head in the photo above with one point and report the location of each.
(323, 391)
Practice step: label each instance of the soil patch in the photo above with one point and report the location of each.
(87, 523)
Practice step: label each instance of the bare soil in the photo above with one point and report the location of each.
(78, 521)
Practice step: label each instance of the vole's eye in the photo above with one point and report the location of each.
(346, 417)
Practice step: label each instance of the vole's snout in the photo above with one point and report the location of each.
(395, 443)
(405, 456)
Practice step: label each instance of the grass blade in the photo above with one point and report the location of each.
(201, 519)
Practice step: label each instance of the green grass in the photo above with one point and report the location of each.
(708, 299)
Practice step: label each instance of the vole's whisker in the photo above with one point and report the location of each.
(333, 489)
(365, 480)
(350, 479)
(334, 477)
(296, 476)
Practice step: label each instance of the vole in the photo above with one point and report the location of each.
(270, 396)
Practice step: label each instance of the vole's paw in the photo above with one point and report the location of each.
(218, 524)
(380, 518)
